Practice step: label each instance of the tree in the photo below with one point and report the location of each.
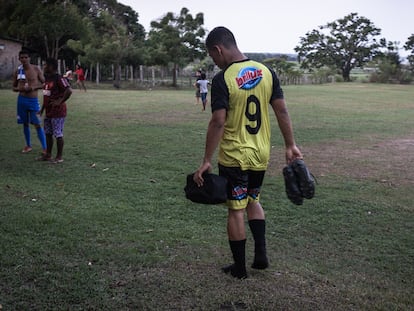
(389, 65)
(409, 46)
(285, 69)
(344, 44)
(176, 39)
(113, 36)
(117, 45)
(391, 56)
(7, 9)
(45, 25)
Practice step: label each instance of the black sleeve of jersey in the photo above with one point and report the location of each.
(277, 90)
(219, 93)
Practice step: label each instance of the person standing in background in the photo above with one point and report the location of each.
(68, 75)
(197, 93)
(203, 86)
(27, 80)
(55, 93)
(80, 75)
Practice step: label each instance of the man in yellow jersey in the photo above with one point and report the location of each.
(240, 98)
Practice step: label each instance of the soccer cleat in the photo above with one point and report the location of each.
(27, 149)
(291, 185)
(305, 179)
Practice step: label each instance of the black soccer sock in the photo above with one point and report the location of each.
(238, 269)
(258, 229)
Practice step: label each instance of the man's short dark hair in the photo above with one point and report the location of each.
(220, 36)
(24, 52)
(52, 62)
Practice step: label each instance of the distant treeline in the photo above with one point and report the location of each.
(260, 57)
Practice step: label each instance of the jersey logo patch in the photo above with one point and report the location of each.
(248, 78)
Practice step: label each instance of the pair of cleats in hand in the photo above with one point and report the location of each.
(299, 182)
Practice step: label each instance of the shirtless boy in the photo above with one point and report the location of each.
(27, 80)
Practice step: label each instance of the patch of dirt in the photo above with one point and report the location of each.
(386, 161)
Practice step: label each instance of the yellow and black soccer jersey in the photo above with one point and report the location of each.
(245, 90)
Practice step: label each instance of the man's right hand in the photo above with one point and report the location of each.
(198, 175)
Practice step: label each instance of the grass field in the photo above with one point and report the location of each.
(110, 229)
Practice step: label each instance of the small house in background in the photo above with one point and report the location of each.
(9, 57)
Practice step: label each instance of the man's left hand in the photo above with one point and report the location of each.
(293, 153)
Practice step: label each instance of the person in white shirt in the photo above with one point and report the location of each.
(203, 85)
(68, 75)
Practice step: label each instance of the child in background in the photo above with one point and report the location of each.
(68, 75)
(197, 93)
(56, 91)
(80, 74)
(203, 85)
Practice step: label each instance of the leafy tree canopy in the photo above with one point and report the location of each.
(176, 39)
(43, 25)
(104, 32)
(47, 26)
(409, 46)
(343, 44)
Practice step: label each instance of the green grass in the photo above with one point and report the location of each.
(119, 234)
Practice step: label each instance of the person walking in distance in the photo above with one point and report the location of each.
(197, 86)
(80, 77)
(203, 85)
(27, 80)
(241, 95)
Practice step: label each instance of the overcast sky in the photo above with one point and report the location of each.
(276, 26)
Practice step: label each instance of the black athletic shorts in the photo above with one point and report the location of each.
(243, 187)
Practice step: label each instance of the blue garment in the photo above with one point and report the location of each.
(26, 131)
(20, 73)
(203, 97)
(27, 109)
(42, 137)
